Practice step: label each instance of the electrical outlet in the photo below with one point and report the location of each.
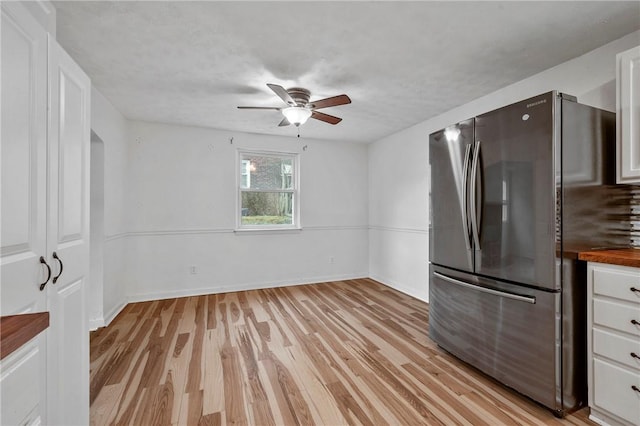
(193, 270)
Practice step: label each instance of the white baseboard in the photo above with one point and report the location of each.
(96, 323)
(400, 287)
(113, 313)
(145, 297)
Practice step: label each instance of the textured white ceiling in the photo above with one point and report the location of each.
(401, 63)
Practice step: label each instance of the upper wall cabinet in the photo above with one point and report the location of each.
(628, 117)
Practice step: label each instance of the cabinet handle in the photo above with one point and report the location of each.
(634, 322)
(634, 355)
(635, 290)
(55, 256)
(635, 388)
(44, 262)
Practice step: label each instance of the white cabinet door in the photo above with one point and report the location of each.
(23, 153)
(68, 238)
(628, 115)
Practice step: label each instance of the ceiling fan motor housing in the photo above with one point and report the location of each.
(298, 107)
(299, 95)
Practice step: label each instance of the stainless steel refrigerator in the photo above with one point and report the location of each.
(515, 194)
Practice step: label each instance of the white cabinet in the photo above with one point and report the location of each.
(628, 115)
(24, 216)
(20, 385)
(45, 210)
(613, 313)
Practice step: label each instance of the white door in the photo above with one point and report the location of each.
(68, 238)
(23, 153)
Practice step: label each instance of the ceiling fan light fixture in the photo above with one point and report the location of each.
(297, 115)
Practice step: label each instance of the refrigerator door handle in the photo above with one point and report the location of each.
(505, 294)
(472, 196)
(465, 196)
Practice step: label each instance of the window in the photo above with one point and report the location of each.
(267, 190)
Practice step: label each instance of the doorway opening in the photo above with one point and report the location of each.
(96, 217)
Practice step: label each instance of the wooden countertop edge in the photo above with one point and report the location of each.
(16, 330)
(622, 257)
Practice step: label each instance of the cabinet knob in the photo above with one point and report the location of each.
(634, 355)
(635, 388)
(635, 322)
(635, 290)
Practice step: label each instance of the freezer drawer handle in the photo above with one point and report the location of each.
(527, 299)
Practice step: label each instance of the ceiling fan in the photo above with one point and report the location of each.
(299, 108)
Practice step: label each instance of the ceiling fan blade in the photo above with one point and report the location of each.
(282, 93)
(329, 102)
(325, 117)
(284, 122)
(255, 107)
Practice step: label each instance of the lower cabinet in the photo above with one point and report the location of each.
(613, 313)
(22, 385)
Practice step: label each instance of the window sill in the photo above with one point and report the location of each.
(270, 231)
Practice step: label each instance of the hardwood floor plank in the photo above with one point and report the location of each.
(213, 392)
(131, 394)
(350, 352)
(213, 419)
(234, 401)
(212, 321)
(178, 368)
(320, 400)
(445, 397)
(195, 375)
(131, 350)
(103, 408)
(257, 394)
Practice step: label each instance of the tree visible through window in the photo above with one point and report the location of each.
(268, 192)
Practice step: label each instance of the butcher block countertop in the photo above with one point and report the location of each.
(16, 330)
(624, 257)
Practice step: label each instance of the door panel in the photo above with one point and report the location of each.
(68, 236)
(449, 242)
(516, 193)
(71, 152)
(24, 166)
(491, 327)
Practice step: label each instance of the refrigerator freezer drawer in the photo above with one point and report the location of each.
(507, 331)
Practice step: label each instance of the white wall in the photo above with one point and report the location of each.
(111, 128)
(399, 172)
(181, 213)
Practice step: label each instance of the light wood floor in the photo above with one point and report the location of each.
(348, 352)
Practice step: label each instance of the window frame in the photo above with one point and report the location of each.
(241, 155)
